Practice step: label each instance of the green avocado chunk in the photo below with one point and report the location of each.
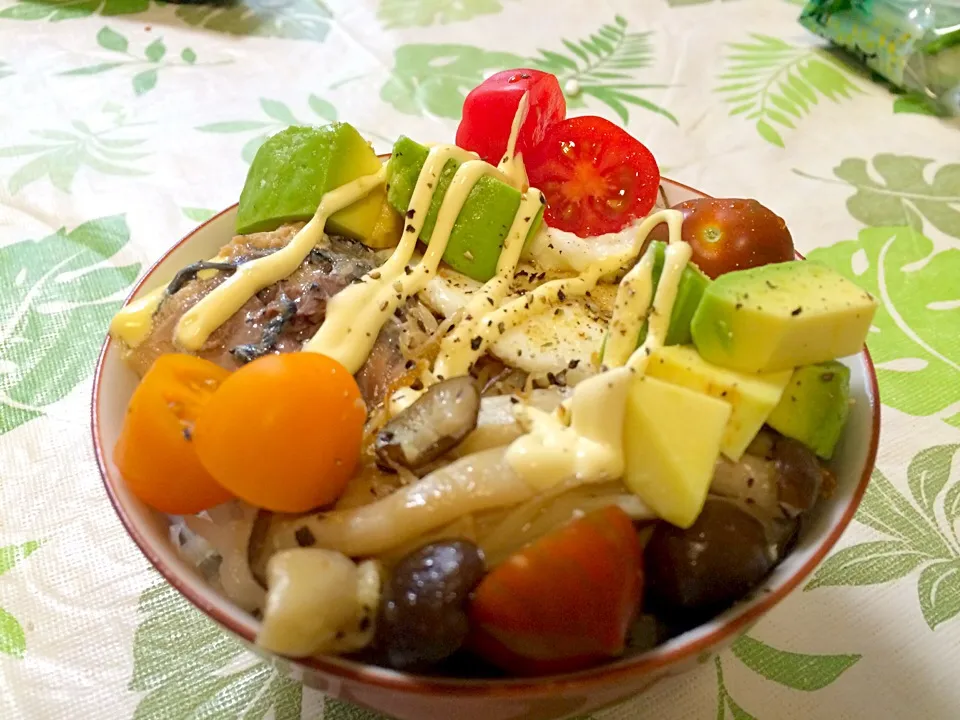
(814, 406)
(294, 169)
(693, 283)
(482, 225)
(780, 317)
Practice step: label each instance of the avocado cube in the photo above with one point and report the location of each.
(295, 168)
(482, 225)
(814, 407)
(663, 467)
(781, 316)
(752, 397)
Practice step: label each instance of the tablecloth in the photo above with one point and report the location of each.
(124, 123)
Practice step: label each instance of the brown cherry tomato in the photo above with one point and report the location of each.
(729, 234)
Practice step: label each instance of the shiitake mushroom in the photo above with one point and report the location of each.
(701, 569)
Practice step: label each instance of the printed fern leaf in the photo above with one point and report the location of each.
(602, 66)
(776, 84)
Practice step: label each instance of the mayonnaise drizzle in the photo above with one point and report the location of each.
(511, 165)
(356, 314)
(589, 448)
(215, 308)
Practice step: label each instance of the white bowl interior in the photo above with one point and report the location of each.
(118, 382)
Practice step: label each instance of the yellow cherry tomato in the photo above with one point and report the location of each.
(283, 433)
(155, 453)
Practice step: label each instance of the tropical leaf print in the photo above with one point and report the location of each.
(59, 155)
(901, 190)
(198, 214)
(797, 671)
(292, 19)
(13, 641)
(435, 79)
(915, 341)
(396, 14)
(57, 10)
(339, 710)
(776, 84)
(185, 666)
(56, 298)
(602, 66)
(915, 537)
(147, 68)
(278, 116)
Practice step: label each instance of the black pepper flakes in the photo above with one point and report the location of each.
(476, 343)
(797, 311)
(561, 295)
(304, 537)
(411, 228)
(187, 434)
(573, 364)
(411, 212)
(407, 269)
(501, 328)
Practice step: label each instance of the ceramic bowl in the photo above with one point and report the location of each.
(410, 697)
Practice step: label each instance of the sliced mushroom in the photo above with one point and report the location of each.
(798, 476)
(435, 423)
(319, 601)
(468, 485)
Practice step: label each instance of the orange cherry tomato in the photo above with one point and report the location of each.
(155, 452)
(283, 433)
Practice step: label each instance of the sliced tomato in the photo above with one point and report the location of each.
(563, 603)
(283, 433)
(596, 177)
(490, 107)
(155, 452)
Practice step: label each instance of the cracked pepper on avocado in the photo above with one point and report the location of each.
(486, 408)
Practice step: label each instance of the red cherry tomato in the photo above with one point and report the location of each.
(729, 234)
(490, 107)
(595, 176)
(564, 602)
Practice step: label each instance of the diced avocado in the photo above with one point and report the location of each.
(388, 228)
(296, 167)
(481, 228)
(667, 470)
(752, 397)
(814, 407)
(781, 316)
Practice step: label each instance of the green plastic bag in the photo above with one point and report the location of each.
(914, 45)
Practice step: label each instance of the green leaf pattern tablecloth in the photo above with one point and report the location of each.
(124, 123)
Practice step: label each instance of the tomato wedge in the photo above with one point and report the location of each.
(596, 177)
(489, 109)
(155, 452)
(563, 603)
(283, 433)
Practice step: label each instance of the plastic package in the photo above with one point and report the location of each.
(914, 45)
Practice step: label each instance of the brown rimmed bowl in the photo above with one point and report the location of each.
(412, 697)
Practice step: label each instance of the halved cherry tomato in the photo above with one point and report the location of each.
(729, 234)
(155, 452)
(563, 603)
(283, 433)
(490, 107)
(595, 176)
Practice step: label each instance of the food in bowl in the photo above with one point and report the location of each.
(486, 407)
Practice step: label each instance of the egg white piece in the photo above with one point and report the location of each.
(550, 341)
(560, 251)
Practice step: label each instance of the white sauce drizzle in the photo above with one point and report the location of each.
(583, 440)
(215, 308)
